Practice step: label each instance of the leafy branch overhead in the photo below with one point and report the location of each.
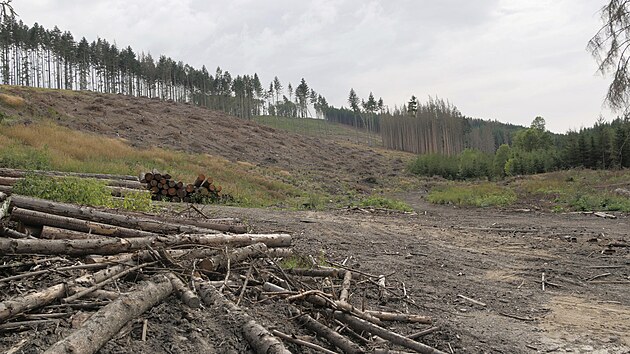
(610, 47)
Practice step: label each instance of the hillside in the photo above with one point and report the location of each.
(145, 123)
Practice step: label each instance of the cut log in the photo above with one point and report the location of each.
(361, 325)
(148, 176)
(3, 197)
(5, 231)
(199, 180)
(55, 233)
(113, 245)
(6, 189)
(256, 335)
(111, 218)
(345, 287)
(186, 295)
(13, 307)
(105, 323)
(10, 172)
(24, 303)
(220, 261)
(8, 181)
(30, 217)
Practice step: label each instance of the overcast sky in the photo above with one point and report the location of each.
(508, 60)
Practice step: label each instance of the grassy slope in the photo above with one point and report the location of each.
(48, 146)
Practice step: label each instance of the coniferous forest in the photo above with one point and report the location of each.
(449, 143)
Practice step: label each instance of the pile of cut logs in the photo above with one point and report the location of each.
(120, 185)
(59, 259)
(162, 187)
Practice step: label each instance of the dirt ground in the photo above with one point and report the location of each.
(439, 252)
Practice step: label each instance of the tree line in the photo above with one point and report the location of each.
(435, 126)
(606, 145)
(39, 57)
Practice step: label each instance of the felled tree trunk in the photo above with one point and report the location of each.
(109, 246)
(259, 338)
(111, 218)
(30, 217)
(105, 323)
(10, 172)
(361, 325)
(220, 261)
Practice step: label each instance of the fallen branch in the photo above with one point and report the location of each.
(334, 338)
(105, 323)
(401, 317)
(472, 300)
(517, 317)
(304, 343)
(345, 287)
(186, 295)
(220, 261)
(259, 338)
(362, 325)
(105, 282)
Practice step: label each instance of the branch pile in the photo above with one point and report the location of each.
(163, 187)
(118, 266)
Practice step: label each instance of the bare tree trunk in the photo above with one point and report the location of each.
(256, 335)
(112, 218)
(109, 246)
(105, 323)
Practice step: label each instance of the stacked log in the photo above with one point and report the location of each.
(163, 187)
(153, 260)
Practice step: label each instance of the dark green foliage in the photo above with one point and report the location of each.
(436, 165)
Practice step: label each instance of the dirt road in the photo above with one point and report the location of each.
(493, 256)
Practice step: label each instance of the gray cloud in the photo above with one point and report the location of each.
(508, 60)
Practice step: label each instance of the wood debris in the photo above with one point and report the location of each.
(112, 267)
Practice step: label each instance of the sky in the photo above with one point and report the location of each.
(505, 60)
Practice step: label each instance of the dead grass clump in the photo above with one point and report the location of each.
(11, 101)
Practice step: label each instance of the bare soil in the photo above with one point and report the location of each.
(440, 252)
(495, 256)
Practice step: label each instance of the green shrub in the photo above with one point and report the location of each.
(435, 165)
(482, 195)
(84, 191)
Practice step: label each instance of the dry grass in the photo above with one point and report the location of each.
(58, 148)
(11, 101)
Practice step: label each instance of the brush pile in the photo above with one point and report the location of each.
(163, 187)
(85, 277)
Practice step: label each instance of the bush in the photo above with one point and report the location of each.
(435, 165)
(84, 191)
